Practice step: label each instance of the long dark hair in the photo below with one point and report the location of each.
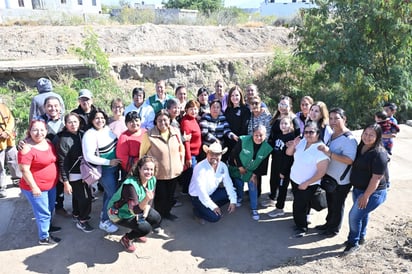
(378, 131)
(93, 114)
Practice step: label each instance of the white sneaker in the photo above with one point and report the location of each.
(239, 203)
(276, 213)
(108, 226)
(268, 203)
(255, 215)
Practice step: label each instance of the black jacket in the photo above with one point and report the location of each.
(69, 149)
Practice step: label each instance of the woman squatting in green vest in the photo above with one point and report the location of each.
(131, 207)
(248, 154)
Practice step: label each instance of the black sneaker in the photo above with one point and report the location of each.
(362, 241)
(171, 217)
(350, 248)
(49, 241)
(76, 218)
(54, 229)
(85, 226)
(321, 227)
(300, 232)
(56, 239)
(329, 233)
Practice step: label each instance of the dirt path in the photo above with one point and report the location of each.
(236, 244)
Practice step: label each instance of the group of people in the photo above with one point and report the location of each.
(210, 146)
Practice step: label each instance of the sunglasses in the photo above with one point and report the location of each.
(309, 132)
(255, 103)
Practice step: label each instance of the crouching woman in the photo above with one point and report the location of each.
(131, 207)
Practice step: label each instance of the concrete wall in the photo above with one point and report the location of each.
(46, 15)
(283, 8)
(167, 16)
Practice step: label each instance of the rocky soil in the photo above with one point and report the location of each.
(388, 249)
(33, 42)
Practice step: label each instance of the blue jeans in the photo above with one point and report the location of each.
(43, 207)
(109, 179)
(219, 197)
(358, 218)
(253, 192)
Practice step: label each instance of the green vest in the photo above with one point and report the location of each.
(158, 105)
(124, 212)
(246, 158)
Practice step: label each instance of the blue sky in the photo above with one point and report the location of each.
(228, 3)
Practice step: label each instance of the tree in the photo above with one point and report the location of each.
(205, 6)
(365, 50)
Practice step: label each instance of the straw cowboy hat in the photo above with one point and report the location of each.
(215, 148)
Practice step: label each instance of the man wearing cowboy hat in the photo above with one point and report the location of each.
(211, 186)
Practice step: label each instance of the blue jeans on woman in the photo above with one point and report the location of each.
(109, 179)
(358, 218)
(43, 207)
(253, 192)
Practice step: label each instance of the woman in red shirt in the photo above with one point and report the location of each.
(37, 161)
(193, 141)
(128, 145)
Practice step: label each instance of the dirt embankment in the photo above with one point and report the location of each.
(54, 42)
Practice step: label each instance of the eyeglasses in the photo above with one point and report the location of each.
(282, 105)
(255, 103)
(118, 107)
(309, 132)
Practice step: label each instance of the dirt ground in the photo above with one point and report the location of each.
(236, 244)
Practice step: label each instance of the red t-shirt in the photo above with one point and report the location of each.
(128, 148)
(42, 166)
(189, 125)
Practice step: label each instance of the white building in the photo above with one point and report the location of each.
(70, 6)
(284, 8)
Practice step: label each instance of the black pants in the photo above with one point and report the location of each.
(275, 187)
(59, 195)
(336, 207)
(184, 179)
(81, 199)
(301, 204)
(164, 196)
(140, 227)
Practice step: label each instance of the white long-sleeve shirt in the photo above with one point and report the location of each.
(205, 181)
(146, 114)
(104, 140)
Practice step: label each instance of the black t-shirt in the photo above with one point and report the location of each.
(374, 161)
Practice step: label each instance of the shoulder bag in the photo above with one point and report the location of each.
(328, 183)
(90, 173)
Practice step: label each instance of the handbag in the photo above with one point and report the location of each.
(90, 173)
(328, 183)
(318, 201)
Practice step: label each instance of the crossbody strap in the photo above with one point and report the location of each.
(345, 172)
